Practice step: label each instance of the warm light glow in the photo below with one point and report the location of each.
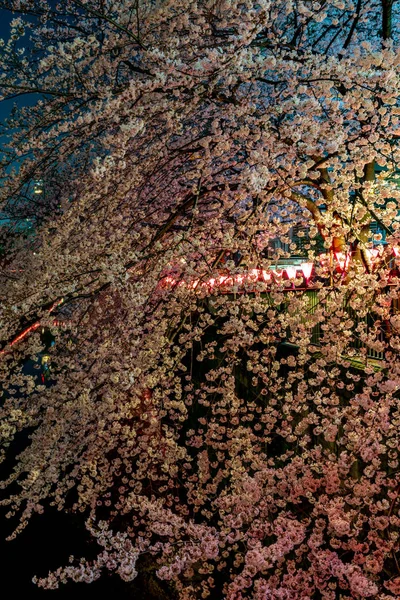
(266, 276)
(23, 335)
(372, 253)
(277, 274)
(251, 277)
(291, 272)
(307, 269)
(169, 280)
(31, 328)
(396, 250)
(343, 260)
(323, 259)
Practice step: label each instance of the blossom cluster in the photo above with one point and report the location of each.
(244, 437)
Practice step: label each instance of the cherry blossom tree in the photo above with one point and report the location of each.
(185, 133)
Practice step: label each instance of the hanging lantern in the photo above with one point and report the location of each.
(307, 270)
(238, 279)
(291, 273)
(264, 276)
(343, 260)
(253, 275)
(277, 275)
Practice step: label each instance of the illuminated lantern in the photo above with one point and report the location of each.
(265, 276)
(238, 279)
(291, 273)
(277, 274)
(343, 260)
(253, 275)
(307, 270)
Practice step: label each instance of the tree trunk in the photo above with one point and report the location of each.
(387, 6)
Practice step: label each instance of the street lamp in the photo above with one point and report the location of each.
(38, 187)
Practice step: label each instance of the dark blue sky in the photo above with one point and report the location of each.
(5, 18)
(5, 107)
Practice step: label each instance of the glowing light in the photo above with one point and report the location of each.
(396, 250)
(266, 276)
(169, 280)
(291, 272)
(343, 260)
(31, 328)
(24, 333)
(277, 274)
(307, 270)
(38, 187)
(253, 275)
(323, 259)
(372, 253)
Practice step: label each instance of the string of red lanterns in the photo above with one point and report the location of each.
(253, 276)
(291, 272)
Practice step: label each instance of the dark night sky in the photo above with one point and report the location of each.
(5, 107)
(47, 543)
(5, 18)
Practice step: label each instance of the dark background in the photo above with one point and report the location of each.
(5, 18)
(50, 539)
